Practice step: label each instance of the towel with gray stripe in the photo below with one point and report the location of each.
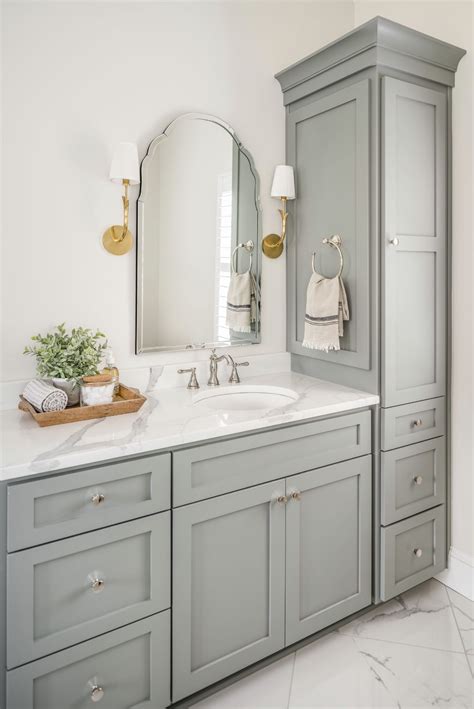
(326, 310)
(241, 302)
(45, 397)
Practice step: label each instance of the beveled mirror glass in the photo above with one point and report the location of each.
(199, 201)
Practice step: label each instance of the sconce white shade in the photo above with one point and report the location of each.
(125, 165)
(283, 182)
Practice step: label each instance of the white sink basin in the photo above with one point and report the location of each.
(241, 397)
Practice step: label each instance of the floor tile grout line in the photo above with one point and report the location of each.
(459, 632)
(397, 642)
(291, 680)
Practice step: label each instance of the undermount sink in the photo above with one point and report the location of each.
(241, 397)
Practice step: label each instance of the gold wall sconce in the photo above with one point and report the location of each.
(283, 187)
(124, 170)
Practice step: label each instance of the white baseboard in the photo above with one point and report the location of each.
(460, 573)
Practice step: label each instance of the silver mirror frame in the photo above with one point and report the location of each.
(139, 348)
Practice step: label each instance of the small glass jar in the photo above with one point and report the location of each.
(95, 393)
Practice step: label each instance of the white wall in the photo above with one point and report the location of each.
(81, 76)
(453, 22)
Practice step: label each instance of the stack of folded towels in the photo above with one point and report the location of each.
(44, 396)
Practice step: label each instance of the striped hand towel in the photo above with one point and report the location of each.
(45, 397)
(241, 302)
(326, 309)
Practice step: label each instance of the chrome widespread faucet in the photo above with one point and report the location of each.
(213, 364)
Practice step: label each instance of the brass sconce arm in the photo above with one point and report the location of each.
(118, 238)
(272, 244)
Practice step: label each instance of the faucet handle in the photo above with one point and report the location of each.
(234, 375)
(193, 382)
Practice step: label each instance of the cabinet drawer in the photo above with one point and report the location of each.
(402, 564)
(52, 508)
(217, 468)
(65, 592)
(412, 423)
(130, 666)
(413, 479)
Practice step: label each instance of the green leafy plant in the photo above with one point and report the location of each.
(68, 355)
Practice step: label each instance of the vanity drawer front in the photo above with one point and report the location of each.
(130, 665)
(413, 551)
(52, 508)
(413, 479)
(217, 468)
(65, 592)
(412, 423)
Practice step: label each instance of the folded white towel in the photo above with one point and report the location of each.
(326, 309)
(241, 302)
(45, 397)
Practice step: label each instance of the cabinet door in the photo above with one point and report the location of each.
(414, 141)
(328, 546)
(228, 585)
(328, 143)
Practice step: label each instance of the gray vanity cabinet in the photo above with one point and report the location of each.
(368, 133)
(328, 546)
(259, 569)
(228, 585)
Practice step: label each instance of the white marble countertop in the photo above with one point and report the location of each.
(168, 419)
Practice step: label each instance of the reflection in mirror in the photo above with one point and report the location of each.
(198, 203)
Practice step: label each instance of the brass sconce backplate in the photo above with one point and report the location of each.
(115, 243)
(272, 245)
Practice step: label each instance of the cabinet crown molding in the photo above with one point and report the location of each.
(378, 41)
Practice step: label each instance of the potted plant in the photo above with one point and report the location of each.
(65, 357)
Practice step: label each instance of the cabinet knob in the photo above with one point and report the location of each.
(418, 552)
(282, 499)
(295, 495)
(98, 499)
(97, 694)
(417, 479)
(97, 585)
(395, 241)
(417, 423)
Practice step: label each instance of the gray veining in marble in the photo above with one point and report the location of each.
(347, 669)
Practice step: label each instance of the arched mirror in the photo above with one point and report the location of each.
(198, 222)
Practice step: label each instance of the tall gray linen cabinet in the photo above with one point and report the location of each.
(368, 131)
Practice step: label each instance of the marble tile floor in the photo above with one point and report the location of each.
(413, 651)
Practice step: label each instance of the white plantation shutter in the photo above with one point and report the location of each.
(223, 253)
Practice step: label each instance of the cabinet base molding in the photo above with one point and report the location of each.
(460, 573)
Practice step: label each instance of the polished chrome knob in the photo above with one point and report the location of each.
(295, 495)
(418, 552)
(282, 499)
(417, 423)
(395, 241)
(97, 585)
(98, 498)
(97, 694)
(417, 479)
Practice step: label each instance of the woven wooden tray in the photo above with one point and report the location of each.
(127, 401)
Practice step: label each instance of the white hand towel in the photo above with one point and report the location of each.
(241, 302)
(45, 397)
(326, 310)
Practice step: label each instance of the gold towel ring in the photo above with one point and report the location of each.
(334, 241)
(249, 247)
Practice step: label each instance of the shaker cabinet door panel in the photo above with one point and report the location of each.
(328, 546)
(328, 142)
(228, 585)
(414, 222)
